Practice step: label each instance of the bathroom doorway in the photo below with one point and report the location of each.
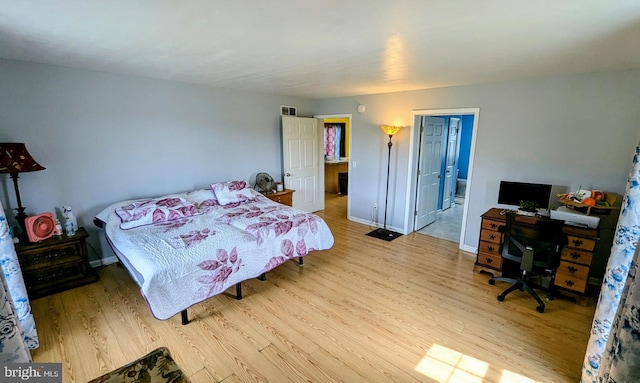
(441, 201)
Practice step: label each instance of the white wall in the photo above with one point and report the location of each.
(105, 138)
(567, 130)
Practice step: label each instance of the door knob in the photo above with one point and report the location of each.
(288, 174)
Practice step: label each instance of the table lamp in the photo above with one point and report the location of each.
(14, 159)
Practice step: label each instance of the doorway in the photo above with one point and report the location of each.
(444, 143)
(337, 166)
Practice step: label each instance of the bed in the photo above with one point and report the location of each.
(184, 248)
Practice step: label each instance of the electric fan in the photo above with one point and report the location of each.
(265, 183)
(40, 227)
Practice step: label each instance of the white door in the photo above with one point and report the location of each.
(450, 164)
(429, 161)
(303, 165)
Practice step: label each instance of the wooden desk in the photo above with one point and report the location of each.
(572, 275)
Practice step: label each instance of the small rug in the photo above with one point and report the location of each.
(155, 367)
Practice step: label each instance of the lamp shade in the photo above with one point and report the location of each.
(14, 158)
(390, 130)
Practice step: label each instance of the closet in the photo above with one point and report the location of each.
(336, 157)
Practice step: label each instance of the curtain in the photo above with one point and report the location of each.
(613, 350)
(336, 151)
(334, 141)
(329, 141)
(17, 326)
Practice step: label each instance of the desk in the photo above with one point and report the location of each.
(572, 275)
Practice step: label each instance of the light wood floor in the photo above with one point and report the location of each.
(410, 310)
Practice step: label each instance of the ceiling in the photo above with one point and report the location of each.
(326, 48)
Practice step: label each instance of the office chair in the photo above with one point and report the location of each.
(533, 244)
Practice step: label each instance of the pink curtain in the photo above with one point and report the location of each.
(330, 141)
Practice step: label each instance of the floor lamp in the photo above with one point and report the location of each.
(384, 233)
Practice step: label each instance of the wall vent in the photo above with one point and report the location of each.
(288, 110)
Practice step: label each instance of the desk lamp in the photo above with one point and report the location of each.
(14, 159)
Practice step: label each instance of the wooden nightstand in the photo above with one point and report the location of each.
(284, 197)
(55, 264)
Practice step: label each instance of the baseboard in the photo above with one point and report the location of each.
(104, 261)
(375, 224)
(469, 249)
(595, 281)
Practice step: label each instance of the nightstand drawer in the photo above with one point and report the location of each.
(48, 276)
(284, 197)
(42, 258)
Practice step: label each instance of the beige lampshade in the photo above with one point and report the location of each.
(14, 158)
(390, 130)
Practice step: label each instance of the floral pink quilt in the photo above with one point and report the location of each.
(182, 262)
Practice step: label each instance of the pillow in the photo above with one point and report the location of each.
(150, 211)
(233, 192)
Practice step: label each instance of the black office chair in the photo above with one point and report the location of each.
(533, 244)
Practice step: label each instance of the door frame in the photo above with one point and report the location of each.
(412, 181)
(348, 116)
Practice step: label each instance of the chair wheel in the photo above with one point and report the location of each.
(492, 282)
(540, 309)
(501, 297)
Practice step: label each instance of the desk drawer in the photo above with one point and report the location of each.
(581, 243)
(489, 247)
(578, 256)
(491, 260)
(491, 225)
(490, 236)
(572, 276)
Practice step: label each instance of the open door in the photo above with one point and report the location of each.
(450, 174)
(429, 165)
(303, 164)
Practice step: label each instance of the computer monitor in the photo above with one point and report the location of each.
(511, 193)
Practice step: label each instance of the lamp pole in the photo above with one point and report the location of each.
(21, 214)
(386, 197)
